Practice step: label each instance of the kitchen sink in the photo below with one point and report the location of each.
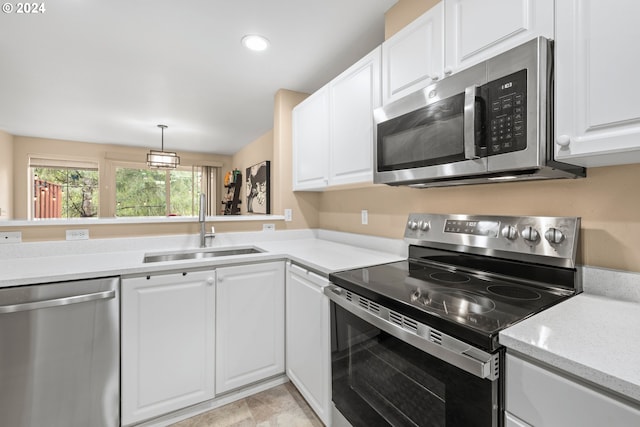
(179, 256)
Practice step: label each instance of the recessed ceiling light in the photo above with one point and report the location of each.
(255, 42)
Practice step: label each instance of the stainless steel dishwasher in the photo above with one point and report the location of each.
(59, 354)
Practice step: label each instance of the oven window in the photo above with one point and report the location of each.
(378, 380)
(428, 136)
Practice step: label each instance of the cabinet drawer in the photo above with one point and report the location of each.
(543, 398)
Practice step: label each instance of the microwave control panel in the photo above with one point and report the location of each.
(507, 111)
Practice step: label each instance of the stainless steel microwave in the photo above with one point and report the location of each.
(489, 123)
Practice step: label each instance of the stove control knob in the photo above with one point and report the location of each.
(510, 232)
(553, 235)
(530, 234)
(412, 225)
(424, 225)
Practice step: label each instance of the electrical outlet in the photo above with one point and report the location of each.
(365, 217)
(81, 234)
(268, 227)
(287, 214)
(11, 237)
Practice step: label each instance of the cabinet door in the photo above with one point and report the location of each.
(597, 113)
(311, 142)
(308, 351)
(413, 57)
(167, 343)
(540, 397)
(353, 96)
(478, 30)
(249, 324)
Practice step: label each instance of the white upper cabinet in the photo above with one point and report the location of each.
(311, 142)
(414, 56)
(333, 129)
(353, 96)
(597, 108)
(477, 30)
(456, 34)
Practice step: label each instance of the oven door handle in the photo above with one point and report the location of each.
(447, 349)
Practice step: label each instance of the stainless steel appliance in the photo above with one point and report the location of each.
(415, 342)
(60, 354)
(490, 122)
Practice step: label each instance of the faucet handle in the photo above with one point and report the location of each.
(212, 234)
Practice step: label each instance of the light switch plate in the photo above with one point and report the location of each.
(365, 217)
(81, 234)
(287, 214)
(11, 237)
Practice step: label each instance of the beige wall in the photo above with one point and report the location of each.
(305, 205)
(258, 151)
(276, 146)
(107, 156)
(22, 147)
(6, 176)
(605, 201)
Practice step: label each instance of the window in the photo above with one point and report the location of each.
(64, 189)
(72, 189)
(141, 191)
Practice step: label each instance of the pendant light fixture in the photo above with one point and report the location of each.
(162, 159)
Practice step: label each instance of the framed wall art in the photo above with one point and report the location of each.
(259, 188)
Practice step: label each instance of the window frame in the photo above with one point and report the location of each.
(54, 162)
(211, 201)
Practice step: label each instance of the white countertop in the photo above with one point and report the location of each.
(49, 263)
(594, 337)
(327, 257)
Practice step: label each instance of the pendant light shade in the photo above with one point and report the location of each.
(162, 159)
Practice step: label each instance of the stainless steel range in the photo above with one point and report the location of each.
(415, 342)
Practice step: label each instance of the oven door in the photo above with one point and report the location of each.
(379, 379)
(436, 132)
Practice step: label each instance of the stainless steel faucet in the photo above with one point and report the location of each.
(202, 213)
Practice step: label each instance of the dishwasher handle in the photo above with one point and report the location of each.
(57, 302)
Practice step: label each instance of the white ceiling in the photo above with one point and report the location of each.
(109, 71)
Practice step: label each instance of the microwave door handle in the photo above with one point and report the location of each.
(470, 94)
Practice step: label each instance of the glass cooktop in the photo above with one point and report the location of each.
(475, 306)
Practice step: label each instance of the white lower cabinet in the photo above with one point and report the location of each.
(536, 396)
(308, 336)
(167, 343)
(249, 324)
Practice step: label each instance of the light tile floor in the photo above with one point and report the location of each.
(281, 406)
